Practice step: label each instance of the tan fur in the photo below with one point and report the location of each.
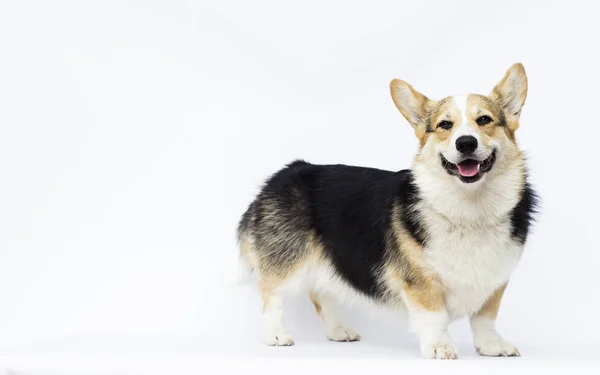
(315, 300)
(492, 305)
(443, 110)
(421, 134)
(408, 270)
(429, 296)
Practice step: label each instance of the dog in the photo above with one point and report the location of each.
(439, 240)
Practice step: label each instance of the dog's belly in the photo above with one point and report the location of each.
(472, 263)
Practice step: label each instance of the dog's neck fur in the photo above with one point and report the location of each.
(487, 204)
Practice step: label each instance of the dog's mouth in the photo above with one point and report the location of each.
(469, 170)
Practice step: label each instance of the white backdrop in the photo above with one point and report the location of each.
(133, 134)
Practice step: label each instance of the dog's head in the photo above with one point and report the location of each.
(466, 138)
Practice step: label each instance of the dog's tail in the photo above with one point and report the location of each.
(246, 259)
(246, 264)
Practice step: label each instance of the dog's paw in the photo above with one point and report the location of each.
(343, 334)
(278, 338)
(439, 350)
(497, 348)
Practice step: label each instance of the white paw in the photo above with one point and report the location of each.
(278, 338)
(497, 348)
(439, 350)
(343, 334)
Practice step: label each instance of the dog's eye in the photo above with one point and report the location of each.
(445, 125)
(483, 120)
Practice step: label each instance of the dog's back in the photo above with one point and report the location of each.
(334, 214)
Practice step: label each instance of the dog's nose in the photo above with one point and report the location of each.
(466, 144)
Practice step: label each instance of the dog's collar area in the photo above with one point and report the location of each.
(468, 164)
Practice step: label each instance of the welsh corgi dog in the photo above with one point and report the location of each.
(439, 240)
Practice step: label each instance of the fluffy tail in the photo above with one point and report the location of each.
(246, 264)
(247, 259)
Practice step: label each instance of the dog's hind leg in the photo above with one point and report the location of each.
(327, 309)
(274, 333)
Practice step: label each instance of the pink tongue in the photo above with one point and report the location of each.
(467, 168)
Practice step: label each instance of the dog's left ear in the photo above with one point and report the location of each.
(510, 94)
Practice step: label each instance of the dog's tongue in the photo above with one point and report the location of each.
(468, 168)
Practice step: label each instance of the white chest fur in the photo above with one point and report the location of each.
(473, 260)
(469, 231)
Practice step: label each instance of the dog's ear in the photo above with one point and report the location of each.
(510, 94)
(413, 105)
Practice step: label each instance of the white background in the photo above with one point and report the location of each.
(133, 134)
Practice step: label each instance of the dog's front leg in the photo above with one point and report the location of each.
(487, 341)
(429, 319)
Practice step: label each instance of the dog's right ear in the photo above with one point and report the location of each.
(413, 105)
